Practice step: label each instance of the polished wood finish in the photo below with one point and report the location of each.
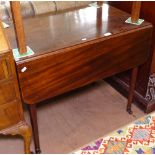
(69, 57)
(148, 68)
(34, 122)
(22, 129)
(99, 3)
(18, 24)
(70, 68)
(132, 88)
(54, 53)
(11, 113)
(81, 25)
(135, 11)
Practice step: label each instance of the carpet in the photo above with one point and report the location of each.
(135, 138)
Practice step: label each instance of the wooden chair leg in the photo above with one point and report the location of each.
(33, 117)
(131, 89)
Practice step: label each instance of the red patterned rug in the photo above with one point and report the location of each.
(135, 138)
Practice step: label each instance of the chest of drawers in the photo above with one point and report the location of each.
(11, 113)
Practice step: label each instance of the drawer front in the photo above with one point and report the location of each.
(9, 114)
(5, 70)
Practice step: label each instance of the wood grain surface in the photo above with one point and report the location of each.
(18, 25)
(11, 112)
(148, 68)
(71, 50)
(135, 11)
(58, 72)
(48, 33)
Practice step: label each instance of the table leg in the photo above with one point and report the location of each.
(33, 117)
(131, 89)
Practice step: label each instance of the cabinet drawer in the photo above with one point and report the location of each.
(7, 92)
(5, 70)
(9, 114)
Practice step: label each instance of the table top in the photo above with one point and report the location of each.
(48, 33)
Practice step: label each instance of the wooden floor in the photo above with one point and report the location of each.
(74, 119)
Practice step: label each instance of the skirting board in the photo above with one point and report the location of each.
(139, 100)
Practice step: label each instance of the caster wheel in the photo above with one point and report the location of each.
(38, 151)
(129, 111)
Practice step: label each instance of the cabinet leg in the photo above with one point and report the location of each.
(131, 89)
(33, 117)
(26, 133)
(22, 129)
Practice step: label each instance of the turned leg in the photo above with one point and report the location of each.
(131, 89)
(33, 117)
(26, 132)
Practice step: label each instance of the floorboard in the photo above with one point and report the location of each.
(76, 118)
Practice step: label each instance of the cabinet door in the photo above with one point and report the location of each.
(10, 103)
(7, 92)
(9, 114)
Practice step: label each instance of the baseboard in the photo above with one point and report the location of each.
(150, 107)
(123, 88)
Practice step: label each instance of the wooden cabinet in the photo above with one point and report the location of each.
(10, 105)
(11, 113)
(9, 93)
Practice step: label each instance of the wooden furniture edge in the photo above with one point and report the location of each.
(83, 44)
(135, 16)
(4, 45)
(18, 25)
(21, 128)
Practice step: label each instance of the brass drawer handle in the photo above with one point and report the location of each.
(5, 68)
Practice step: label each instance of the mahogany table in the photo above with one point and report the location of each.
(75, 48)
